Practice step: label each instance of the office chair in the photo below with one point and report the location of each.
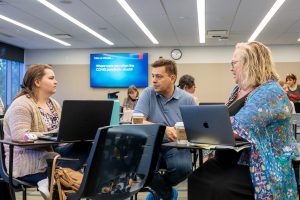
(16, 185)
(121, 162)
(297, 107)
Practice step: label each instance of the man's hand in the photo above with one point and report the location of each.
(171, 133)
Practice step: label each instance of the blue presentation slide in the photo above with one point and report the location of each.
(119, 70)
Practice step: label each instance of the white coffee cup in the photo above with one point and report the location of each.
(180, 131)
(137, 118)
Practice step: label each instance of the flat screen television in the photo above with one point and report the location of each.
(119, 70)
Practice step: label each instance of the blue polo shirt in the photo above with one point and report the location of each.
(157, 109)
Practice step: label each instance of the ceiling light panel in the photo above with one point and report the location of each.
(75, 21)
(201, 20)
(137, 20)
(266, 19)
(33, 30)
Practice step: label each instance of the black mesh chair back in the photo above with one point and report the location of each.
(121, 162)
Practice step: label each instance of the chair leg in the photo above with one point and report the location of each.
(296, 166)
(24, 193)
(12, 193)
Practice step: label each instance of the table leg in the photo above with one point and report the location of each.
(10, 171)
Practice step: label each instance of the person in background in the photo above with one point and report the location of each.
(131, 99)
(260, 114)
(160, 104)
(293, 88)
(286, 89)
(187, 83)
(33, 111)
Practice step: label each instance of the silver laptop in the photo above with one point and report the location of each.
(209, 124)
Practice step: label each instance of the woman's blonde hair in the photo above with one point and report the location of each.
(258, 65)
(33, 73)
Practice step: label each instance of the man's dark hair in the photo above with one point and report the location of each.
(186, 81)
(169, 65)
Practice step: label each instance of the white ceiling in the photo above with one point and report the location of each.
(172, 22)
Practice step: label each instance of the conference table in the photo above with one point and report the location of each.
(186, 146)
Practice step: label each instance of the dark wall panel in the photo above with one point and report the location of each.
(10, 52)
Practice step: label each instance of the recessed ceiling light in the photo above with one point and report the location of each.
(75, 21)
(298, 40)
(201, 20)
(33, 30)
(266, 19)
(137, 20)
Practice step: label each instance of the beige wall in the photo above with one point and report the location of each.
(213, 80)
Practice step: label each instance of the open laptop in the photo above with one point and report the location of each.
(208, 124)
(127, 116)
(80, 120)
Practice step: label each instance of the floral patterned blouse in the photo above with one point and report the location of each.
(265, 121)
(51, 120)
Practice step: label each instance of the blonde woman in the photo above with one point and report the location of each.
(261, 114)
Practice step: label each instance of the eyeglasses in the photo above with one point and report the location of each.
(234, 62)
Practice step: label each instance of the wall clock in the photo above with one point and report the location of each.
(176, 54)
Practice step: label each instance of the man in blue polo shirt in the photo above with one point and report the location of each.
(160, 104)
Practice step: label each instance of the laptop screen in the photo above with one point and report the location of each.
(80, 119)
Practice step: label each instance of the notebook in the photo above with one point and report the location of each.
(209, 124)
(80, 120)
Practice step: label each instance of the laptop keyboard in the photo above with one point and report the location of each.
(51, 134)
(48, 136)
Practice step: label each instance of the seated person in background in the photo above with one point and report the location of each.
(286, 89)
(131, 99)
(33, 111)
(293, 88)
(264, 119)
(160, 104)
(187, 83)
